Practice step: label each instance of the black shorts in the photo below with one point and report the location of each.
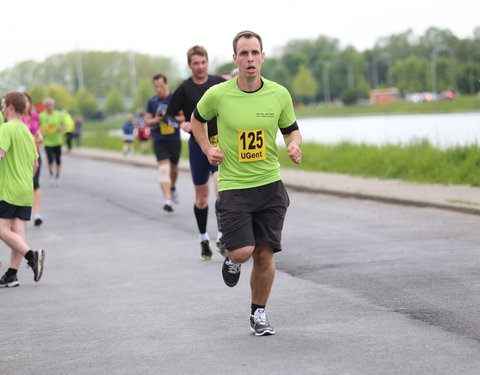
(36, 177)
(54, 153)
(254, 216)
(167, 150)
(10, 211)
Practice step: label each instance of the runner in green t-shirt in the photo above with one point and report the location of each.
(52, 123)
(69, 128)
(18, 161)
(253, 200)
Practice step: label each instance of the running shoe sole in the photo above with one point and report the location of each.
(12, 284)
(41, 258)
(266, 332)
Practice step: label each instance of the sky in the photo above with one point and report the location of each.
(34, 30)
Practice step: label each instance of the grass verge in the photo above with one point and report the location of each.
(417, 162)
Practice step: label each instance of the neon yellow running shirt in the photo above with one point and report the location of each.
(51, 124)
(16, 170)
(247, 129)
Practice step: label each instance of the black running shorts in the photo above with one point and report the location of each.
(167, 150)
(254, 216)
(54, 153)
(10, 211)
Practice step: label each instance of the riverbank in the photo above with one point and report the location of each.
(463, 104)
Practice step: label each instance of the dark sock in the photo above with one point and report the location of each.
(29, 255)
(255, 307)
(201, 214)
(11, 272)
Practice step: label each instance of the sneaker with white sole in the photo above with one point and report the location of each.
(206, 253)
(36, 264)
(231, 272)
(259, 324)
(9, 281)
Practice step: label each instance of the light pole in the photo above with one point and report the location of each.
(439, 48)
(80, 82)
(326, 82)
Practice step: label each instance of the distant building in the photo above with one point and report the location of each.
(384, 96)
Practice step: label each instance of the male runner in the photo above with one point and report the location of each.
(53, 125)
(166, 140)
(253, 201)
(18, 162)
(185, 99)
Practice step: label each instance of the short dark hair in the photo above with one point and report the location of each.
(196, 50)
(17, 99)
(246, 34)
(156, 77)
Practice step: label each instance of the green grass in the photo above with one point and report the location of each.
(102, 140)
(417, 162)
(463, 104)
(102, 125)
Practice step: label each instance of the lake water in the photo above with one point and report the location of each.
(442, 130)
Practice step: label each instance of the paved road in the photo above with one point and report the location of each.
(362, 288)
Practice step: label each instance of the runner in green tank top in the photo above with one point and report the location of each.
(253, 200)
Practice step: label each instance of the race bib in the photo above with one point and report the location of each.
(214, 140)
(166, 129)
(50, 128)
(251, 145)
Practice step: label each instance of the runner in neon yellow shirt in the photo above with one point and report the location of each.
(253, 201)
(69, 128)
(18, 161)
(53, 125)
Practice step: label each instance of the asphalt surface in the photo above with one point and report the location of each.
(362, 287)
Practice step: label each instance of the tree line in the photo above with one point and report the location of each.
(314, 70)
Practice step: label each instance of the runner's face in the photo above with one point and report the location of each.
(49, 107)
(249, 57)
(199, 66)
(161, 87)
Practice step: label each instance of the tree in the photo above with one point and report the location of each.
(142, 94)
(63, 99)
(114, 102)
(86, 103)
(412, 74)
(304, 84)
(37, 92)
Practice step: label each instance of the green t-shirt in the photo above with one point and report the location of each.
(16, 170)
(51, 124)
(69, 123)
(247, 129)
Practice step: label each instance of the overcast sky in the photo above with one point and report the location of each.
(37, 29)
